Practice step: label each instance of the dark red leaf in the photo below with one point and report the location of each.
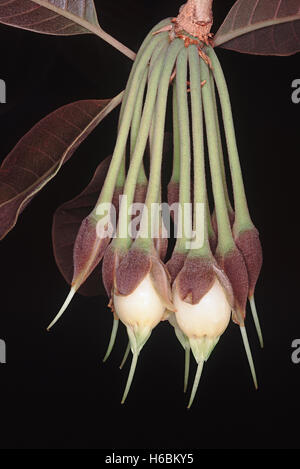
(39, 155)
(57, 17)
(66, 223)
(263, 27)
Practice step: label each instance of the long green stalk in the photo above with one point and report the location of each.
(200, 189)
(123, 240)
(176, 139)
(108, 187)
(121, 173)
(242, 217)
(152, 196)
(221, 154)
(112, 339)
(225, 238)
(184, 221)
(135, 126)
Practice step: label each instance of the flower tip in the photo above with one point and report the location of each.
(196, 383)
(256, 321)
(112, 339)
(186, 368)
(130, 376)
(249, 355)
(125, 356)
(63, 308)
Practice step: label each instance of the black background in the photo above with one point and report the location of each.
(54, 390)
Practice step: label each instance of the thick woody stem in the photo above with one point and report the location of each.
(203, 11)
(196, 17)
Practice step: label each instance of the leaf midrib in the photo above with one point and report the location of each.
(219, 40)
(51, 173)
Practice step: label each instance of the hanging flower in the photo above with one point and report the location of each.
(216, 259)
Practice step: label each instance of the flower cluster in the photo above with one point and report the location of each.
(201, 286)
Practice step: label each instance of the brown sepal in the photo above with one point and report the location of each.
(88, 251)
(225, 282)
(234, 266)
(132, 269)
(249, 244)
(195, 279)
(175, 264)
(111, 261)
(161, 281)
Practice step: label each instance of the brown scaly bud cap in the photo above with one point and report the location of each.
(225, 282)
(88, 251)
(89, 246)
(162, 281)
(197, 276)
(134, 267)
(195, 279)
(175, 264)
(249, 244)
(233, 264)
(111, 261)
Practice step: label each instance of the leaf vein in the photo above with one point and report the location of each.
(56, 137)
(23, 13)
(278, 8)
(28, 170)
(9, 185)
(253, 12)
(39, 150)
